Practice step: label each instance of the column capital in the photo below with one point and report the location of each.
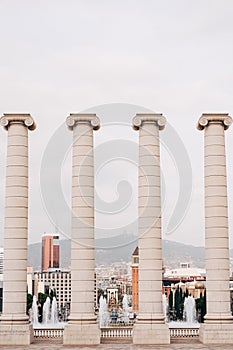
(27, 119)
(207, 118)
(75, 119)
(155, 118)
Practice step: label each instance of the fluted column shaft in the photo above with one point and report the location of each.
(82, 242)
(216, 219)
(16, 219)
(149, 221)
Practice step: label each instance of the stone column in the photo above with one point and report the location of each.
(150, 326)
(82, 328)
(218, 326)
(14, 323)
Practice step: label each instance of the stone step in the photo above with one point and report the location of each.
(48, 340)
(116, 340)
(194, 340)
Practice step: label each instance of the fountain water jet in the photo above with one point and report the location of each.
(125, 306)
(189, 314)
(50, 315)
(34, 318)
(46, 311)
(104, 317)
(54, 313)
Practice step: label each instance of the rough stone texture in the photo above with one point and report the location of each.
(14, 324)
(218, 325)
(216, 333)
(180, 345)
(82, 328)
(15, 334)
(151, 334)
(150, 326)
(81, 334)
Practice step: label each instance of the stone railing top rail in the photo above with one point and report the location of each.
(26, 118)
(207, 118)
(75, 119)
(117, 327)
(156, 118)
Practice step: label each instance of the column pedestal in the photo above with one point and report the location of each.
(16, 334)
(216, 333)
(81, 334)
(151, 333)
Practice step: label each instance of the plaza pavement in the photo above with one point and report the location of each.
(192, 345)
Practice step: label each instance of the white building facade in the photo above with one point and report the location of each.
(58, 281)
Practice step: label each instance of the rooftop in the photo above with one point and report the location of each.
(54, 235)
(184, 272)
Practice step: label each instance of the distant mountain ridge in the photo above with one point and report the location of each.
(120, 248)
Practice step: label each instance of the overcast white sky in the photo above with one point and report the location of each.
(173, 57)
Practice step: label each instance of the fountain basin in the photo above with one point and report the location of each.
(58, 325)
(180, 324)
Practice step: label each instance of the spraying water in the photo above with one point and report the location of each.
(189, 310)
(54, 313)
(46, 311)
(50, 315)
(34, 311)
(104, 317)
(125, 306)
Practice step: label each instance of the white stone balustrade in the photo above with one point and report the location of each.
(48, 333)
(184, 332)
(116, 332)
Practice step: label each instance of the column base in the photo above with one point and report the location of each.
(151, 333)
(216, 333)
(81, 334)
(16, 334)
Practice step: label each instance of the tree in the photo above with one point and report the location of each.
(201, 307)
(182, 296)
(100, 292)
(179, 303)
(29, 302)
(170, 301)
(41, 300)
(52, 294)
(204, 305)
